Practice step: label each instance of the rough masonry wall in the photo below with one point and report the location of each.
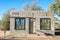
(32, 14)
(38, 31)
(12, 27)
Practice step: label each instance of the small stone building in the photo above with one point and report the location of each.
(31, 22)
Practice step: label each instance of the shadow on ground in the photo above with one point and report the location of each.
(57, 32)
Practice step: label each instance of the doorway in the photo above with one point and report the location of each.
(30, 26)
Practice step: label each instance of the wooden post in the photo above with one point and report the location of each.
(4, 33)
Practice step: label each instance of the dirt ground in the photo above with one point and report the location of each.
(35, 38)
(27, 38)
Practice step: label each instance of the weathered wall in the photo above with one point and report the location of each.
(31, 14)
(39, 15)
(12, 25)
(38, 31)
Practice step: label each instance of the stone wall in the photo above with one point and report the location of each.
(31, 14)
(12, 27)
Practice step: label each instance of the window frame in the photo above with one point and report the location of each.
(24, 23)
(46, 28)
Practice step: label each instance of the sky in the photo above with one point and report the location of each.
(18, 4)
